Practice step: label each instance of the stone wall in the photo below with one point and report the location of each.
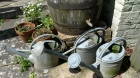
(126, 19)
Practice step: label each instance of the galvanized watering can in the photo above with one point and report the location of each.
(87, 44)
(110, 56)
(41, 59)
(108, 60)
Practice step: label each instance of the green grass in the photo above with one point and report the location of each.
(1, 21)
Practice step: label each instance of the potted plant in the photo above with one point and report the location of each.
(47, 28)
(32, 12)
(25, 30)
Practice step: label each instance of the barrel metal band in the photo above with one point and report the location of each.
(88, 4)
(71, 26)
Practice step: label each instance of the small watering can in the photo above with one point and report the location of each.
(109, 57)
(38, 56)
(87, 44)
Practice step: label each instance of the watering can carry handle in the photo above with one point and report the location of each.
(33, 42)
(110, 43)
(89, 31)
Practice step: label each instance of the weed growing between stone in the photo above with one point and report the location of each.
(32, 75)
(30, 40)
(1, 21)
(25, 64)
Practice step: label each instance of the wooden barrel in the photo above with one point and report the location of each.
(69, 16)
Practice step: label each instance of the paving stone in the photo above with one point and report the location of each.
(4, 3)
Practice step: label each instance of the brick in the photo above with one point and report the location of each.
(125, 22)
(132, 32)
(125, 15)
(115, 21)
(131, 2)
(135, 20)
(128, 15)
(121, 1)
(131, 36)
(138, 26)
(127, 8)
(117, 13)
(131, 41)
(118, 6)
(137, 2)
(120, 33)
(130, 21)
(136, 8)
(126, 27)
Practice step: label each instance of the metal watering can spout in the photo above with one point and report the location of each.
(20, 52)
(10, 49)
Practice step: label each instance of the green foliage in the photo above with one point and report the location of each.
(32, 75)
(32, 11)
(115, 48)
(27, 28)
(25, 64)
(30, 40)
(47, 22)
(1, 21)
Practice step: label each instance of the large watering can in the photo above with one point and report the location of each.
(110, 56)
(38, 56)
(108, 61)
(88, 43)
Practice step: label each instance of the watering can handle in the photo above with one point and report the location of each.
(110, 43)
(89, 31)
(33, 42)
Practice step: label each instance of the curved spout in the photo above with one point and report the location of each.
(10, 49)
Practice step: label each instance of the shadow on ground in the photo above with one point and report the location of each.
(125, 64)
(6, 0)
(10, 12)
(6, 34)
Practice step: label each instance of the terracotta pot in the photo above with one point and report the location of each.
(46, 32)
(27, 34)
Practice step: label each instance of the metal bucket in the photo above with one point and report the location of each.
(110, 61)
(88, 43)
(44, 59)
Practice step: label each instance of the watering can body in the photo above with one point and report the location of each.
(88, 43)
(38, 50)
(39, 57)
(108, 62)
